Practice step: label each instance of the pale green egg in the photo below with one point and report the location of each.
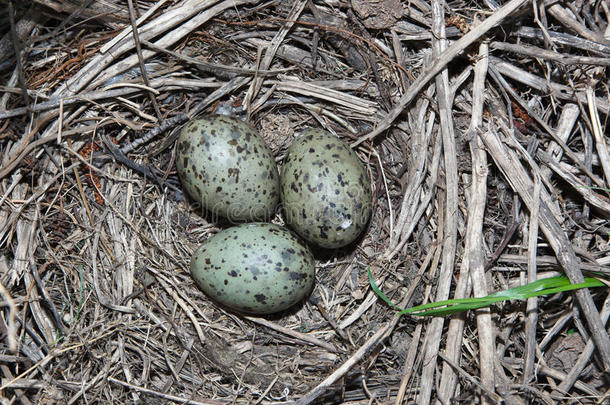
(256, 268)
(226, 167)
(325, 190)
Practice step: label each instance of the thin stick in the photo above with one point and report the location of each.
(136, 40)
(413, 206)
(568, 21)
(598, 133)
(409, 364)
(360, 354)
(473, 251)
(560, 38)
(567, 173)
(128, 29)
(560, 91)
(585, 356)
(277, 40)
(298, 335)
(439, 63)
(532, 303)
(435, 329)
(217, 69)
(80, 189)
(567, 119)
(387, 191)
(73, 99)
(312, 395)
(17, 45)
(541, 53)
(547, 128)
(516, 175)
(495, 397)
(11, 324)
(52, 354)
(45, 296)
(169, 397)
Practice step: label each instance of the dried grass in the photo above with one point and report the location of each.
(484, 129)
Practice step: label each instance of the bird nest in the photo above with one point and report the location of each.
(483, 127)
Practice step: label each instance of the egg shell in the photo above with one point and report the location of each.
(257, 268)
(325, 190)
(225, 165)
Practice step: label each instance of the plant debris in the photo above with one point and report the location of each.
(484, 129)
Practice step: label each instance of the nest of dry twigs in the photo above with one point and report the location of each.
(483, 127)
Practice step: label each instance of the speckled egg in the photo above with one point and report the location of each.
(225, 166)
(325, 190)
(256, 268)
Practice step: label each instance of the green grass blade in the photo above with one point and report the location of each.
(537, 288)
(378, 291)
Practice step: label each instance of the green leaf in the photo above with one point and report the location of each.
(378, 291)
(545, 286)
